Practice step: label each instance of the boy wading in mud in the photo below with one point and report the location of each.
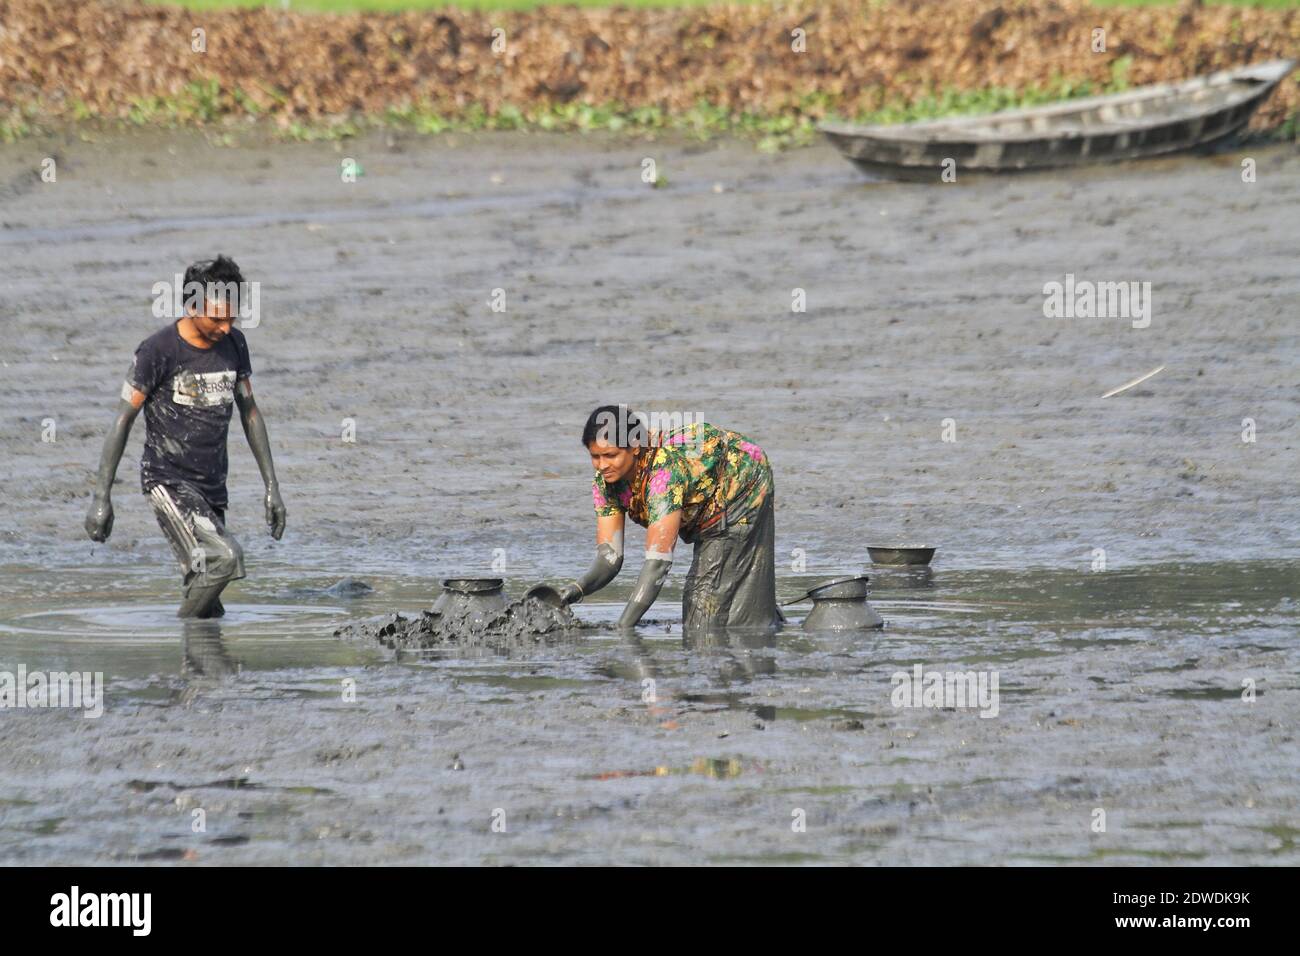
(186, 377)
(711, 487)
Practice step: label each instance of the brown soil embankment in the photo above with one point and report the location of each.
(95, 58)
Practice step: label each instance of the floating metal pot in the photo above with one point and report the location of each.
(478, 599)
(901, 555)
(840, 605)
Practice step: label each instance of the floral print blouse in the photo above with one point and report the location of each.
(703, 471)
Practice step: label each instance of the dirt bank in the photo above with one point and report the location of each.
(131, 60)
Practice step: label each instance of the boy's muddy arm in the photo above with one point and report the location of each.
(99, 520)
(255, 431)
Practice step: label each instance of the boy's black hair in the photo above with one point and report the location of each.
(615, 425)
(220, 269)
(218, 278)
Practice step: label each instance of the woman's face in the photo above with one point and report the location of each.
(612, 462)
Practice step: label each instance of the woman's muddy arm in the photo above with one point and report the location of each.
(99, 520)
(609, 560)
(255, 431)
(648, 585)
(660, 538)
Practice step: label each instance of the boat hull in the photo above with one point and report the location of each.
(1035, 140)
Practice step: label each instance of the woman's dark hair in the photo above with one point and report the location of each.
(615, 425)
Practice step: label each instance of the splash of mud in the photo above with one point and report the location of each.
(522, 622)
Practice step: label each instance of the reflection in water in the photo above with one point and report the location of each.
(920, 579)
(641, 660)
(138, 639)
(723, 638)
(715, 768)
(727, 652)
(1123, 685)
(732, 651)
(202, 652)
(931, 616)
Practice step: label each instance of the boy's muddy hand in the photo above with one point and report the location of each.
(99, 520)
(275, 512)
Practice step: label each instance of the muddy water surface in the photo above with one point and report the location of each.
(1119, 688)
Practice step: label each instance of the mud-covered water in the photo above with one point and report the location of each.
(1120, 688)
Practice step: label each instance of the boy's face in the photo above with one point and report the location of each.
(214, 323)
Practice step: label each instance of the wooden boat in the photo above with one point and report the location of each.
(1148, 121)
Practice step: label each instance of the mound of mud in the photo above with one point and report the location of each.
(97, 58)
(523, 622)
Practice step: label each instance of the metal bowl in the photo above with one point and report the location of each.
(852, 588)
(901, 556)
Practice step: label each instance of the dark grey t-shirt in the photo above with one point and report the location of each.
(191, 392)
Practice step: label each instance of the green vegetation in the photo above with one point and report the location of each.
(206, 104)
(971, 102)
(199, 102)
(19, 123)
